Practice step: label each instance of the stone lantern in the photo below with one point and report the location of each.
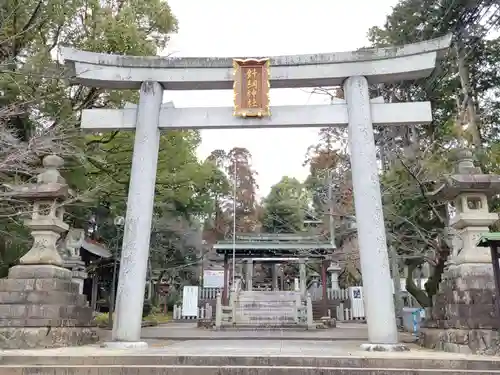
(39, 304)
(334, 271)
(463, 316)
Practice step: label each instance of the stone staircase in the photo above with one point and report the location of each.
(156, 362)
(264, 309)
(269, 309)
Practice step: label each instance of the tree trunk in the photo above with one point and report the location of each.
(420, 295)
(432, 285)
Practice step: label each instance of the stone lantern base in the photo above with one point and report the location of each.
(40, 307)
(463, 318)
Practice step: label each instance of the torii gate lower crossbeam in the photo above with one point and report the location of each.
(355, 70)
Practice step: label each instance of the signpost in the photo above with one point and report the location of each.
(213, 279)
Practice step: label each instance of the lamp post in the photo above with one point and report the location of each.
(119, 222)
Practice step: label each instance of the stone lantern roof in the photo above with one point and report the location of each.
(50, 184)
(466, 179)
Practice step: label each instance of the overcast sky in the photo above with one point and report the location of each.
(268, 28)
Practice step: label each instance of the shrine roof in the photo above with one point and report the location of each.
(96, 248)
(488, 239)
(277, 238)
(270, 245)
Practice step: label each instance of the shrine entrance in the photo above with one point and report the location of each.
(251, 80)
(273, 250)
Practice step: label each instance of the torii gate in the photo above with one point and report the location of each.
(354, 70)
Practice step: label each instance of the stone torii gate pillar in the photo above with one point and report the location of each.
(136, 235)
(369, 215)
(354, 70)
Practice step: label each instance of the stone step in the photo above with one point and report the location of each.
(263, 302)
(430, 360)
(265, 322)
(227, 370)
(278, 329)
(267, 294)
(265, 313)
(266, 308)
(281, 292)
(269, 297)
(256, 306)
(257, 319)
(266, 303)
(270, 304)
(265, 318)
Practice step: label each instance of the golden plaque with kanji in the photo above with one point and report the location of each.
(251, 88)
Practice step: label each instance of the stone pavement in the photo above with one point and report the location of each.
(189, 331)
(336, 351)
(228, 348)
(239, 352)
(242, 357)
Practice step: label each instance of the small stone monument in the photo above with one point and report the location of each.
(40, 306)
(70, 254)
(463, 318)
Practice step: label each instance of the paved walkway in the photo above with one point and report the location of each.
(334, 346)
(233, 348)
(244, 350)
(189, 331)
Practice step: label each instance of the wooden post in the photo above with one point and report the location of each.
(324, 285)
(496, 275)
(309, 312)
(218, 312)
(226, 279)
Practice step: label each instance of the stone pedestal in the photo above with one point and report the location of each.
(40, 307)
(78, 273)
(463, 318)
(70, 254)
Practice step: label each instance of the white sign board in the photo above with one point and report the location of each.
(357, 303)
(213, 279)
(190, 301)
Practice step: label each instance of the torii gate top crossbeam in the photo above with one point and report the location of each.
(378, 65)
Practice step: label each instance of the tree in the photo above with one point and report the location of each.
(237, 167)
(413, 158)
(329, 179)
(241, 173)
(44, 113)
(285, 207)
